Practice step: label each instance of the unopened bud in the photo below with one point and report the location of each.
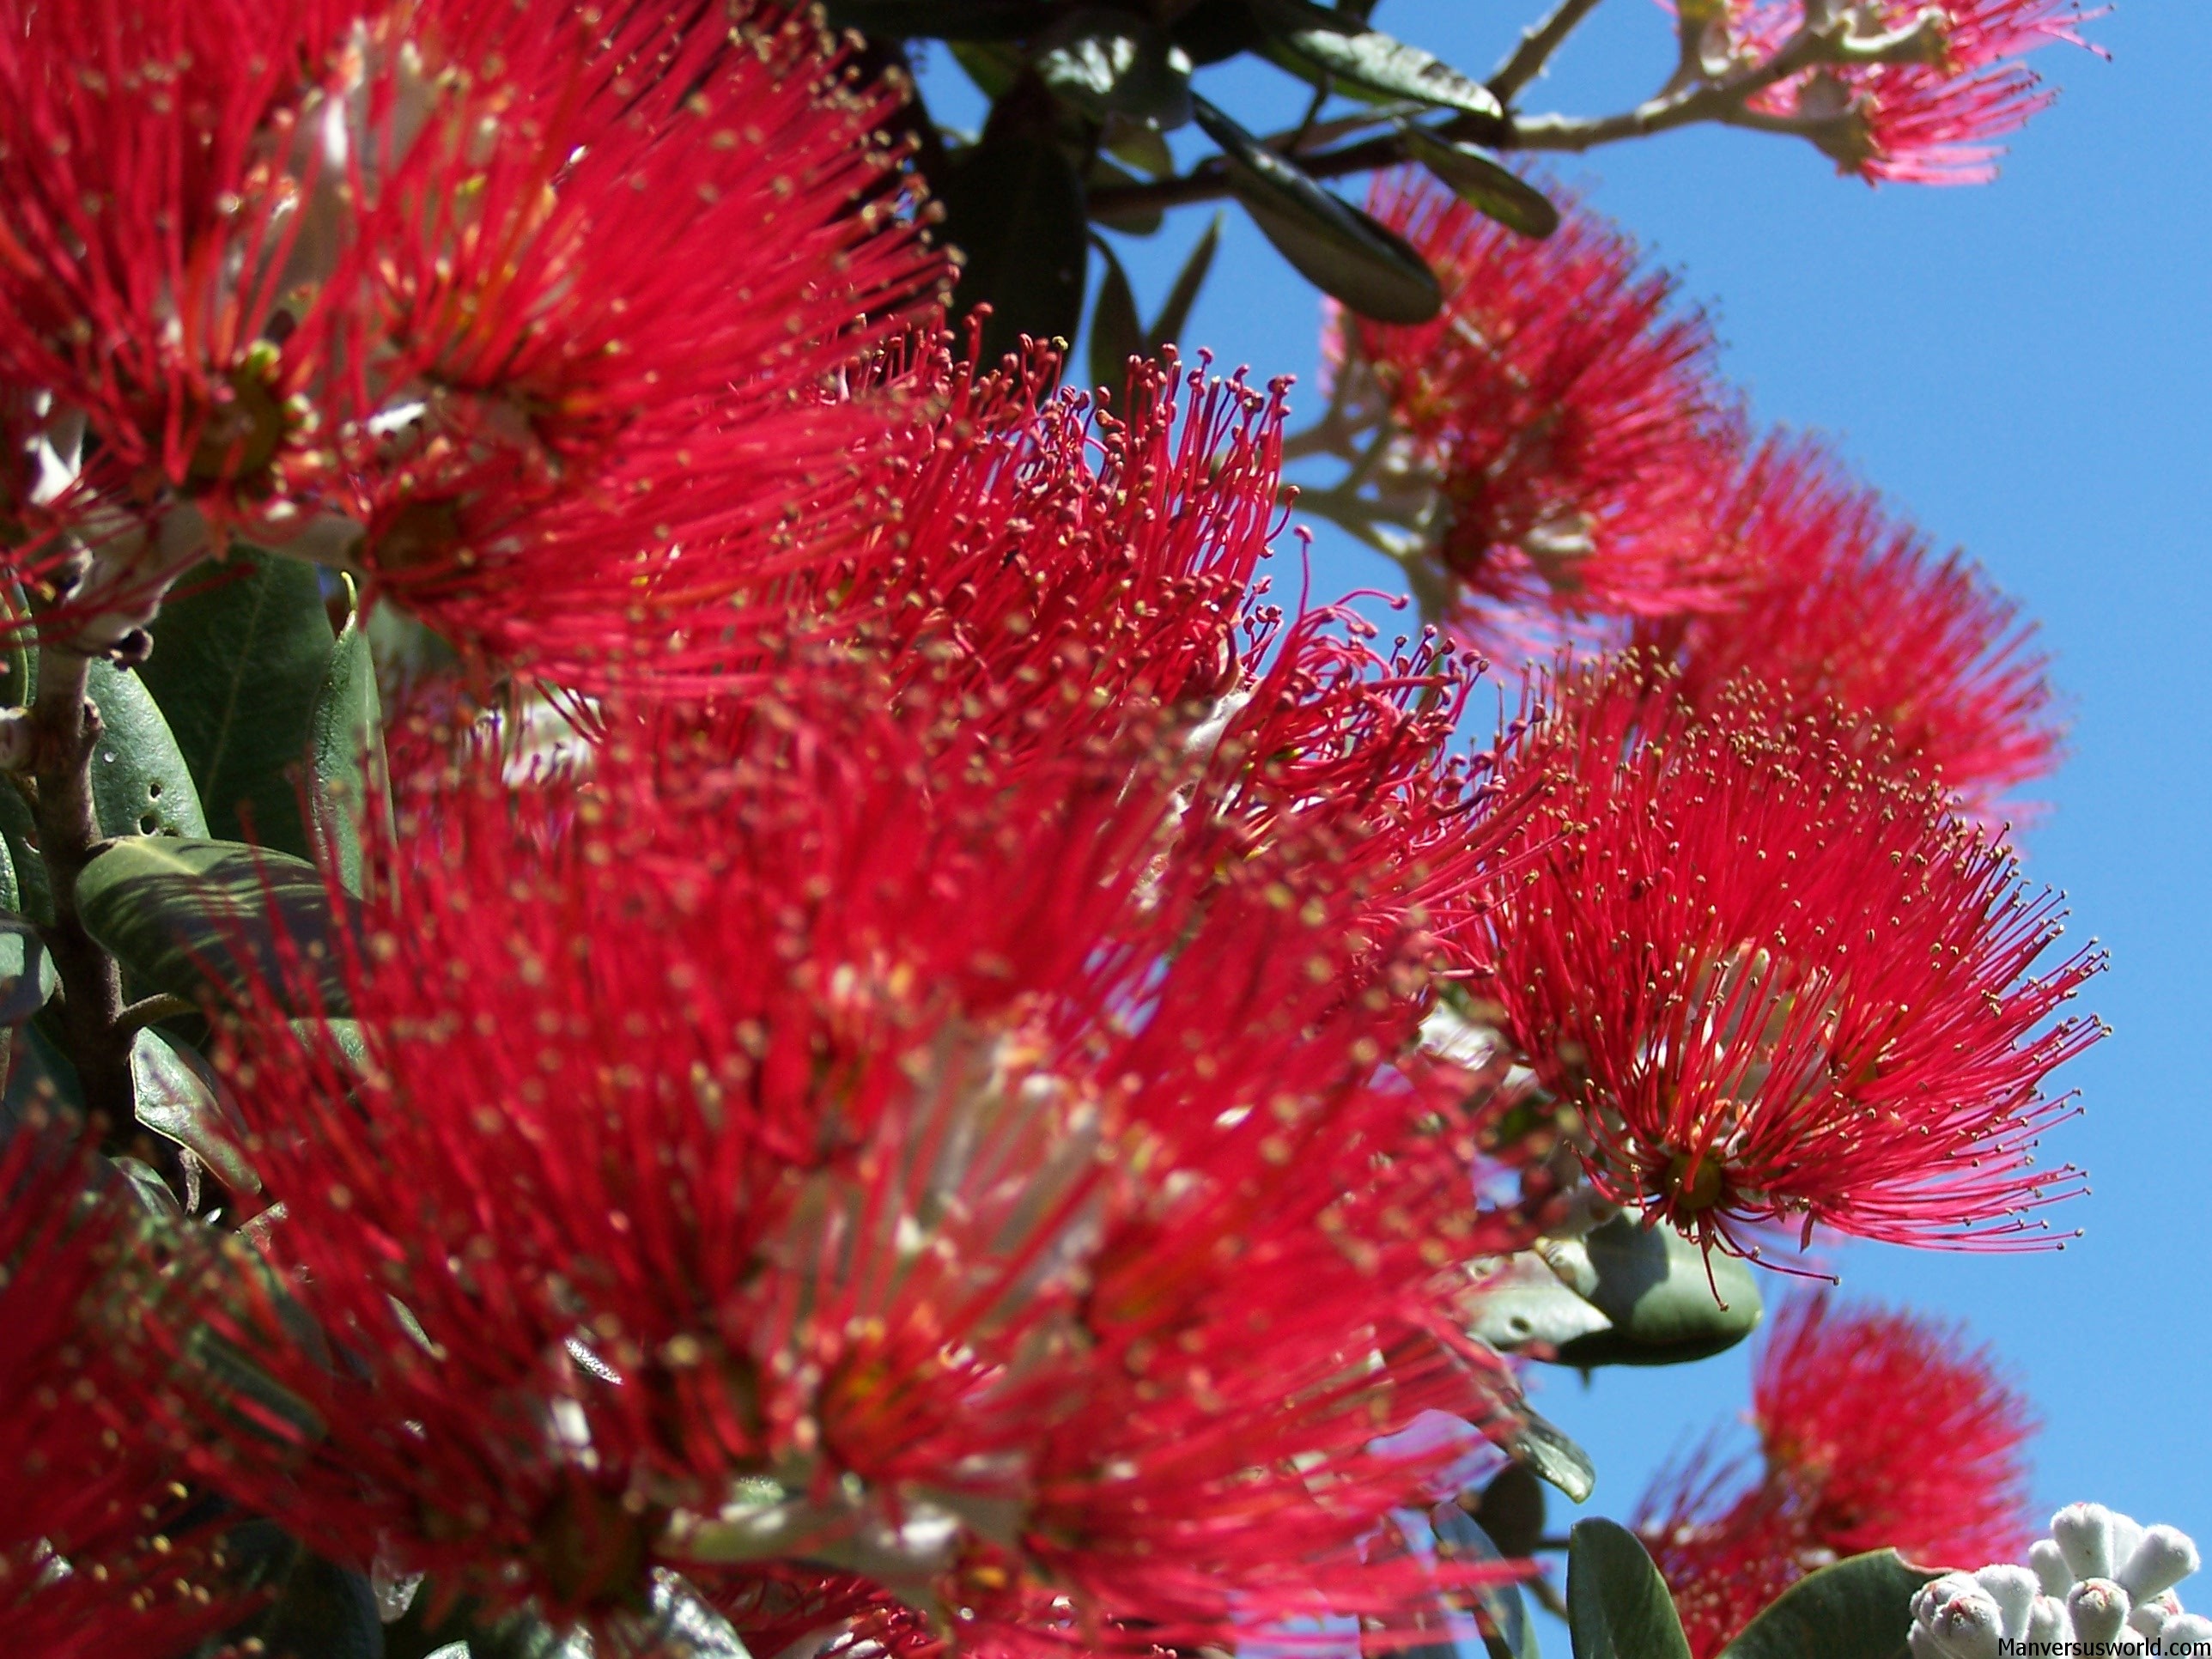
(1954, 1618)
(2047, 1620)
(2083, 1533)
(2098, 1608)
(2184, 1627)
(2051, 1569)
(2150, 1617)
(2013, 1588)
(2164, 1558)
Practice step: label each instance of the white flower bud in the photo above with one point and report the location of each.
(2164, 1558)
(2150, 1617)
(2051, 1569)
(1954, 1618)
(2047, 1620)
(2013, 1588)
(2185, 1628)
(2084, 1535)
(2098, 1608)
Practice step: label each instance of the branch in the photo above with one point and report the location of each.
(1538, 43)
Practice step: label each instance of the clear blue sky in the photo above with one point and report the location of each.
(2023, 367)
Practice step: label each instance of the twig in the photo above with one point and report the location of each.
(150, 1011)
(1538, 43)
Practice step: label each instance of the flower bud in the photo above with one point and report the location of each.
(2098, 1608)
(2164, 1558)
(2084, 1535)
(1954, 1618)
(2013, 1588)
(2051, 1569)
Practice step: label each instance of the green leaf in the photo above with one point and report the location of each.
(190, 917)
(1500, 1613)
(1335, 246)
(141, 784)
(34, 894)
(1524, 1302)
(1139, 146)
(343, 1036)
(1174, 315)
(1116, 336)
(1549, 1452)
(236, 668)
(344, 730)
(41, 1077)
(1138, 220)
(941, 20)
(178, 1098)
(1213, 30)
(1371, 61)
(27, 977)
(1511, 1510)
(1483, 182)
(1108, 61)
(1651, 1283)
(143, 1182)
(1618, 1607)
(1013, 205)
(1860, 1608)
(992, 67)
(324, 1611)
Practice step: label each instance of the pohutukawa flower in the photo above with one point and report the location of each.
(1783, 983)
(995, 1179)
(1905, 90)
(94, 1560)
(537, 322)
(1572, 424)
(1877, 1430)
(1847, 603)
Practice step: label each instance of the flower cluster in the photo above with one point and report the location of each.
(1781, 981)
(1876, 1431)
(2097, 1578)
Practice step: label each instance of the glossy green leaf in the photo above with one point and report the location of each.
(1116, 336)
(1014, 207)
(1523, 1302)
(1108, 62)
(1483, 182)
(941, 20)
(343, 1036)
(1652, 1284)
(1371, 61)
(237, 667)
(1334, 246)
(1501, 1614)
(1618, 1607)
(1860, 1608)
(1141, 219)
(41, 1077)
(1551, 1453)
(27, 977)
(140, 784)
(993, 65)
(33, 894)
(143, 1182)
(1511, 1510)
(192, 917)
(345, 733)
(179, 1097)
(1175, 313)
(1139, 146)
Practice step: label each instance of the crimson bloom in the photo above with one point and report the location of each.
(989, 1176)
(1878, 1430)
(1781, 981)
(1847, 603)
(1575, 427)
(95, 1560)
(1910, 91)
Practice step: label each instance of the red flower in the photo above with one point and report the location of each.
(1782, 982)
(1877, 1430)
(979, 1176)
(1910, 96)
(609, 278)
(1575, 428)
(94, 1561)
(1849, 604)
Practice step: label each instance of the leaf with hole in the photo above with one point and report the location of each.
(1333, 244)
(141, 783)
(1618, 1607)
(236, 667)
(1108, 61)
(1483, 182)
(1653, 1285)
(199, 917)
(1859, 1608)
(1370, 61)
(1523, 1302)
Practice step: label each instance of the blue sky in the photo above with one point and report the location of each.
(2023, 367)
